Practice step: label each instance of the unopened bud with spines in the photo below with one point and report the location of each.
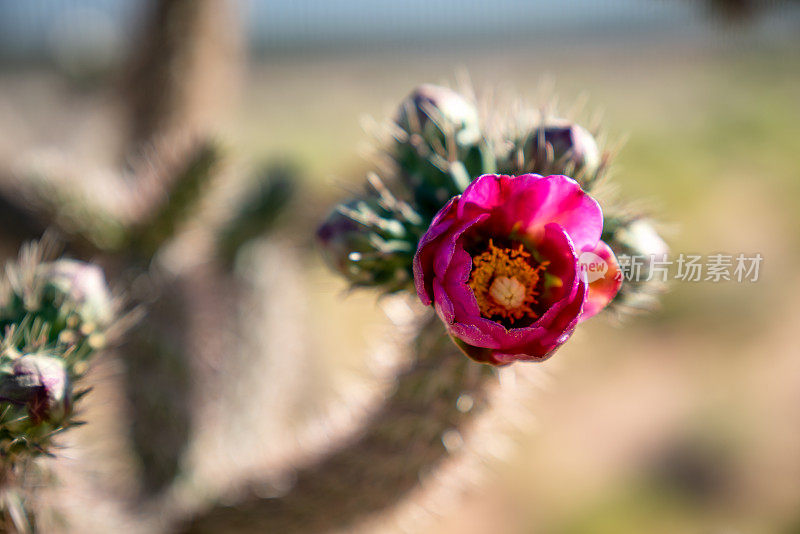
(636, 240)
(432, 112)
(556, 146)
(372, 240)
(66, 301)
(82, 285)
(40, 383)
(439, 148)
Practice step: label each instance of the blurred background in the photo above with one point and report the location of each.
(683, 421)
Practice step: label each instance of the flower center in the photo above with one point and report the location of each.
(504, 282)
(507, 292)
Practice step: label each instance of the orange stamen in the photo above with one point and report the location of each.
(504, 283)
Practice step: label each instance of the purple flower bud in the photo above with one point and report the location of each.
(569, 142)
(340, 237)
(41, 383)
(84, 284)
(430, 110)
(367, 245)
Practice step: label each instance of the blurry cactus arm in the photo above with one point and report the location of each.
(157, 381)
(17, 221)
(259, 208)
(170, 183)
(185, 68)
(401, 441)
(108, 212)
(169, 194)
(31, 201)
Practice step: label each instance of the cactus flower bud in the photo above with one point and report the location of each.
(637, 240)
(342, 238)
(367, 246)
(430, 109)
(41, 383)
(84, 285)
(569, 143)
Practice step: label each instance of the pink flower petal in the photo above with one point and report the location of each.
(526, 203)
(603, 290)
(544, 347)
(423, 259)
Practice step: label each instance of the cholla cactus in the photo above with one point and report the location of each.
(439, 146)
(54, 316)
(436, 145)
(181, 254)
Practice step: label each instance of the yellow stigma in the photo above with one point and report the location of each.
(504, 283)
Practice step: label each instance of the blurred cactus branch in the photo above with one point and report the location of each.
(400, 442)
(739, 11)
(41, 202)
(168, 185)
(157, 77)
(157, 359)
(179, 80)
(156, 356)
(174, 193)
(265, 200)
(18, 222)
(182, 71)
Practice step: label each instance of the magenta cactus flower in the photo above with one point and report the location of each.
(513, 264)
